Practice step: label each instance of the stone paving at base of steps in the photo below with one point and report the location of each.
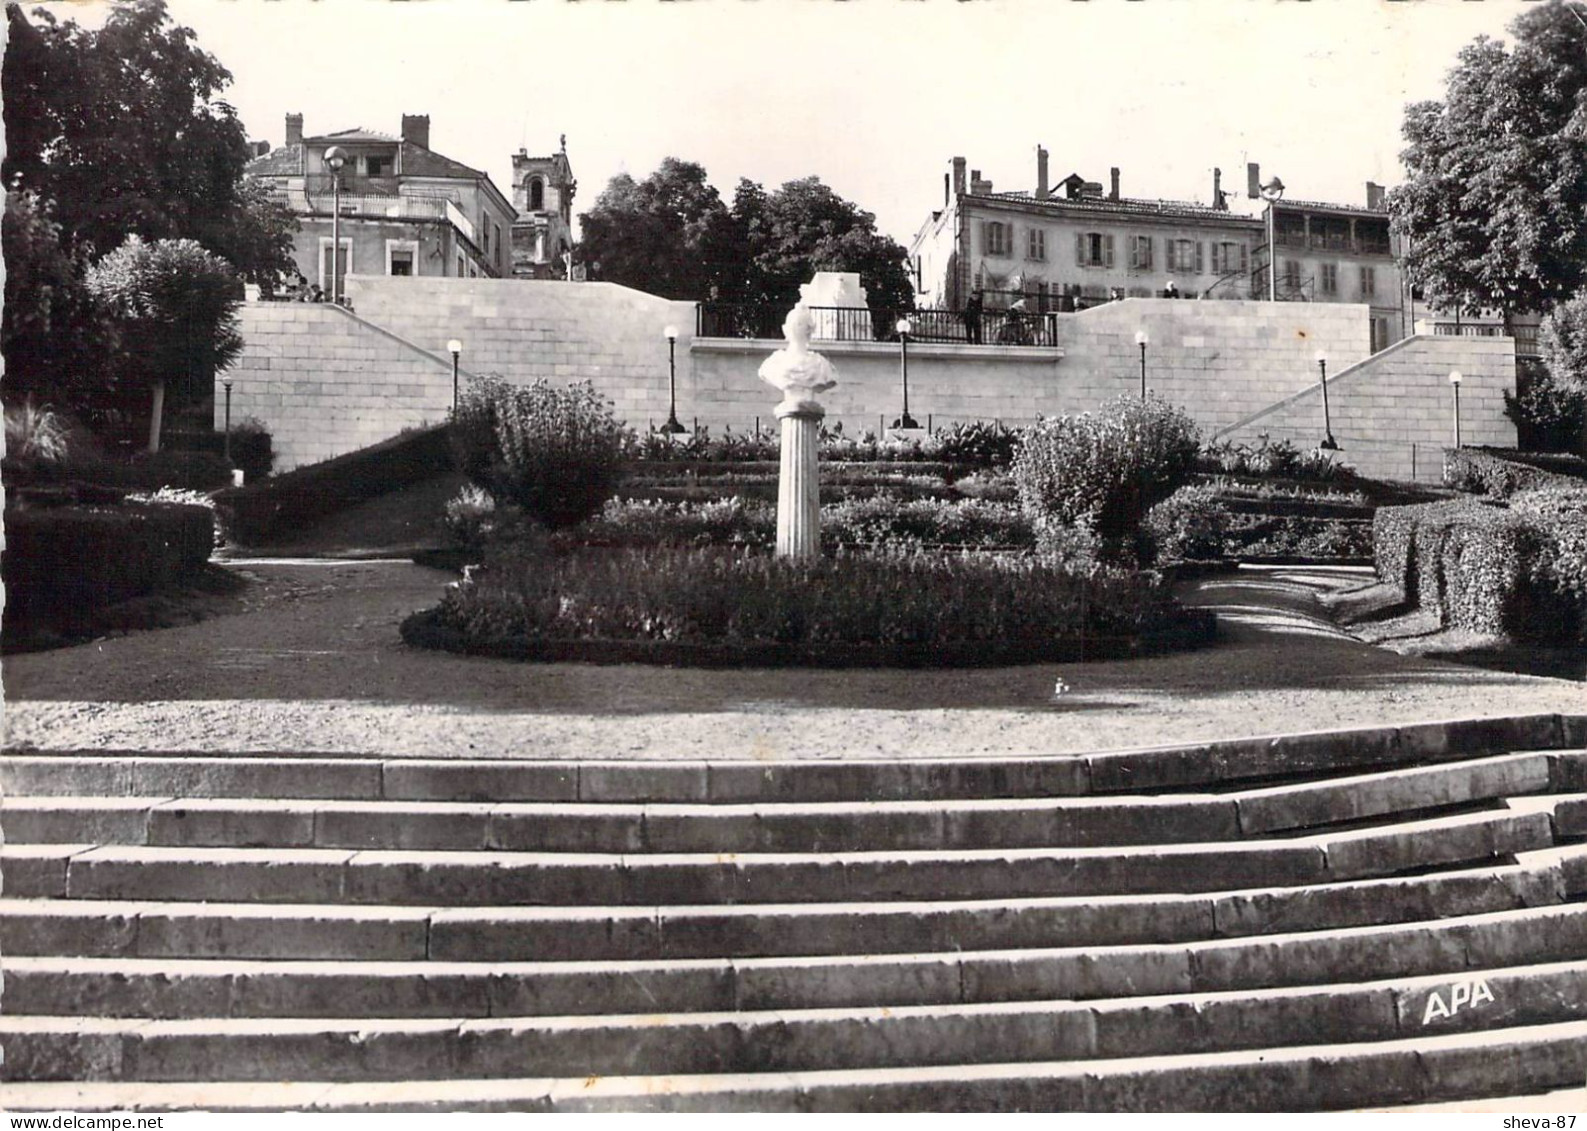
(309, 660)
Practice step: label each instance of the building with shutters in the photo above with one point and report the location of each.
(1075, 244)
(405, 209)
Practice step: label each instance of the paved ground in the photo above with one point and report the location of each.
(310, 661)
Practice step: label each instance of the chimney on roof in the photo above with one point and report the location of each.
(294, 129)
(259, 148)
(958, 175)
(1253, 180)
(978, 187)
(1218, 201)
(1377, 198)
(416, 129)
(1041, 173)
(1113, 173)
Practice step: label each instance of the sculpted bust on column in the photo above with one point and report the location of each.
(797, 371)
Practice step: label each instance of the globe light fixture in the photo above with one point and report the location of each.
(1328, 432)
(1141, 340)
(672, 427)
(455, 348)
(336, 157)
(903, 326)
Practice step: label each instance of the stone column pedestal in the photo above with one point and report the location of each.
(798, 481)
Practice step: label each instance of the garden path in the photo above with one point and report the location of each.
(308, 659)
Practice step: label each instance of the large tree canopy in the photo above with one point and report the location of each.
(122, 129)
(1495, 207)
(670, 234)
(655, 235)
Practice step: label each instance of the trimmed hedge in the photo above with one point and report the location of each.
(62, 562)
(259, 512)
(250, 448)
(1519, 570)
(1502, 472)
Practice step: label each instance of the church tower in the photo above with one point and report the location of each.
(542, 194)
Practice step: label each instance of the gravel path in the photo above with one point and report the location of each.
(309, 660)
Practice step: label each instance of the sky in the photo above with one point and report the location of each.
(872, 96)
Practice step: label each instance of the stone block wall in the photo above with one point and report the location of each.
(1393, 414)
(325, 381)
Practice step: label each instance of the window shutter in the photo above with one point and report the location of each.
(1107, 247)
(1244, 260)
(1147, 243)
(986, 237)
(1080, 248)
(1216, 259)
(1198, 258)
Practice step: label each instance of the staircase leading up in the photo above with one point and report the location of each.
(1323, 921)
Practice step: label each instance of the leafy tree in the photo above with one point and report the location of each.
(123, 130)
(175, 307)
(1553, 404)
(656, 234)
(805, 227)
(57, 340)
(1495, 206)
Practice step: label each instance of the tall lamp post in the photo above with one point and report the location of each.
(1141, 340)
(1328, 428)
(225, 383)
(672, 427)
(903, 327)
(455, 348)
(336, 157)
(1454, 383)
(1272, 192)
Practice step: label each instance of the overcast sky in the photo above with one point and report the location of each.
(873, 96)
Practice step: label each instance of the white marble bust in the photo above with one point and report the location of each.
(795, 369)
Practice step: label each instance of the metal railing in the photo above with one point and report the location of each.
(858, 324)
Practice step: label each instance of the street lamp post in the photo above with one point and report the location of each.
(903, 327)
(1141, 340)
(1272, 192)
(455, 348)
(226, 384)
(335, 157)
(1328, 428)
(672, 427)
(1454, 383)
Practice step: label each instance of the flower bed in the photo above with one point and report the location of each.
(737, 607)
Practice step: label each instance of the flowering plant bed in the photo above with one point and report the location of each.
(722, 607)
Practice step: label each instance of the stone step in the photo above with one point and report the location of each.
(1567, 811)
(153, 929)
(434, 1045)
(764, 827)
(442, 987)
(1520, 1060)
(1032, 775)
(309, 875)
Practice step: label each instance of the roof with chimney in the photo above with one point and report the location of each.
(1182, 209)
(414, 159)
(1337, 209)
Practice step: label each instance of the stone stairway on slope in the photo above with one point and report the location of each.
(1369, 918)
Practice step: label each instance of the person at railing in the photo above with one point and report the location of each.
(1015, 330)
(972, 319)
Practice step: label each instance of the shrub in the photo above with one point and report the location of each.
(182, 496)
(651, 522)
(469, 516)
(977, 444)
(1549, 414)
(553, 451)
(61, 562)
(1501, 473)
(1003, 605)
(35, 435)
(1278, 459)
(1105, 468)
(1190, 525)
(1298, 536)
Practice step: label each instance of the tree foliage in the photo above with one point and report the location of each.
(672, 235)
(57, 340)
(122, 128)
(1495, 207)
(175, 309)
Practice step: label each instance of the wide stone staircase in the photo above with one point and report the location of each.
(1367, 918)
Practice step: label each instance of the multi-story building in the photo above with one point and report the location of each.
(405, 209)
(1076, 244)
(542, 192)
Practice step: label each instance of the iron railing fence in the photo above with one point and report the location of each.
(858, 324)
